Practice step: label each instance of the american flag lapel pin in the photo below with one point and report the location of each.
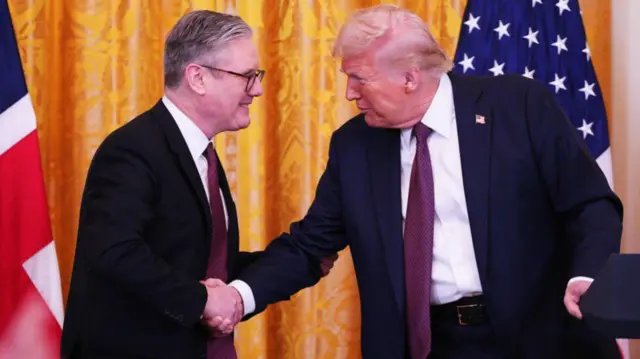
(480, 120)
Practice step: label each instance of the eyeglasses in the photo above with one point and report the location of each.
(251, 77)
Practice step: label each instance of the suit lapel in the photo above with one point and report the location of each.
(384, 172)
(474, 139)
(179, 148)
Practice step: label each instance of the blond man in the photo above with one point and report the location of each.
(470, 207)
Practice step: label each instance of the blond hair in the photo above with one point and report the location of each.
(375, 26)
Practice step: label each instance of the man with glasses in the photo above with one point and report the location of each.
(250, 75)
(158, 231)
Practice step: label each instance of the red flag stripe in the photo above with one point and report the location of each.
(31, 293)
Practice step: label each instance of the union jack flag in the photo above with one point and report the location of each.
(31, 309)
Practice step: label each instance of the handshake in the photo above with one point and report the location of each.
(224, 307)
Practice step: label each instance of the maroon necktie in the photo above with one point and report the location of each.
(217, 348)
(418, 247)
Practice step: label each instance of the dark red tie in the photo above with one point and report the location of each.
(418, 247)
(217, 348)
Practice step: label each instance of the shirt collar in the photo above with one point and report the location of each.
(439, 117)
(196, 140)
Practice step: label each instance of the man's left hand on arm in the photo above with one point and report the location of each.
(575, 290)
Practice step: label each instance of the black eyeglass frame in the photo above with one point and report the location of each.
(251, 77)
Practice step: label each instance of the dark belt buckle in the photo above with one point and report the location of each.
(471, 314)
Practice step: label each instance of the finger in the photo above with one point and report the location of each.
(213, 282)
(214, 322)
(227, 323)
(227, 330)
(572, 307)
(226, 327)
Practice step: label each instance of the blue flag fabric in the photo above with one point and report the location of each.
(544, 40)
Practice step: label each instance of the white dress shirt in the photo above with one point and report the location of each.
(197, 143)
(454, 272)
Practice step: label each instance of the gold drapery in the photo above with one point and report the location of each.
(93, 65)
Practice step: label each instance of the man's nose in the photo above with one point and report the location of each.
(256, 90)
(352, 92)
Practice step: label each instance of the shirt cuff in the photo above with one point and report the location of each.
(575, 279)
(246, 293)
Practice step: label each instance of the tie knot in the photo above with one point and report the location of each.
(422, 132)
(209, 153)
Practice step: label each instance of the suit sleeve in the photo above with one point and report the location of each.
(291, 262)
(589, 210)
(245, 259)
(116, 207)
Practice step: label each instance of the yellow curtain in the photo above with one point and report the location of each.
(93, 65)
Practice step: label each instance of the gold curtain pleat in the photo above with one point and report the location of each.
(93, 65)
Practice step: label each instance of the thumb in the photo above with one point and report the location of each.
(213, 282)
(572, 297)
(571, 303)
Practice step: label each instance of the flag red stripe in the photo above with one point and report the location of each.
(24, 220)
(24, 216)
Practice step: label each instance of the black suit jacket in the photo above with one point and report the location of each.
(539, 207)
(143, 242)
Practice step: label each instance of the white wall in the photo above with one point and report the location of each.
(625, 121)
(625, 101)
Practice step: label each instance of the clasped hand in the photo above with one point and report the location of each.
(224, 308)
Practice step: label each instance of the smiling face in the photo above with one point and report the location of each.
(227, 96)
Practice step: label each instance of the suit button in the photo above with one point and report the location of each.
(180, 318)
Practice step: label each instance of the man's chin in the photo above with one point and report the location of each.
(375, 121)
(242, 123)
(372, 120)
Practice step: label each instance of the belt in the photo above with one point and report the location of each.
(466, 311)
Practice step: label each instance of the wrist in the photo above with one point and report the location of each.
(248, 301)
(238, 297)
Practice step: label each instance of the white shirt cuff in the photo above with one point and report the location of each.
(246, 293)
(575, 279)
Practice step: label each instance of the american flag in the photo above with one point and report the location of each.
(543, 40)
(31, 312)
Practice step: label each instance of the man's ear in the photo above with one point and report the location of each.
(411, 80)
(194, 76)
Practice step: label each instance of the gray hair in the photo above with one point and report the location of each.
(201, 33)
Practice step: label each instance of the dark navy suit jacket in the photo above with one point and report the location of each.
(143, 244)
(540, 210)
